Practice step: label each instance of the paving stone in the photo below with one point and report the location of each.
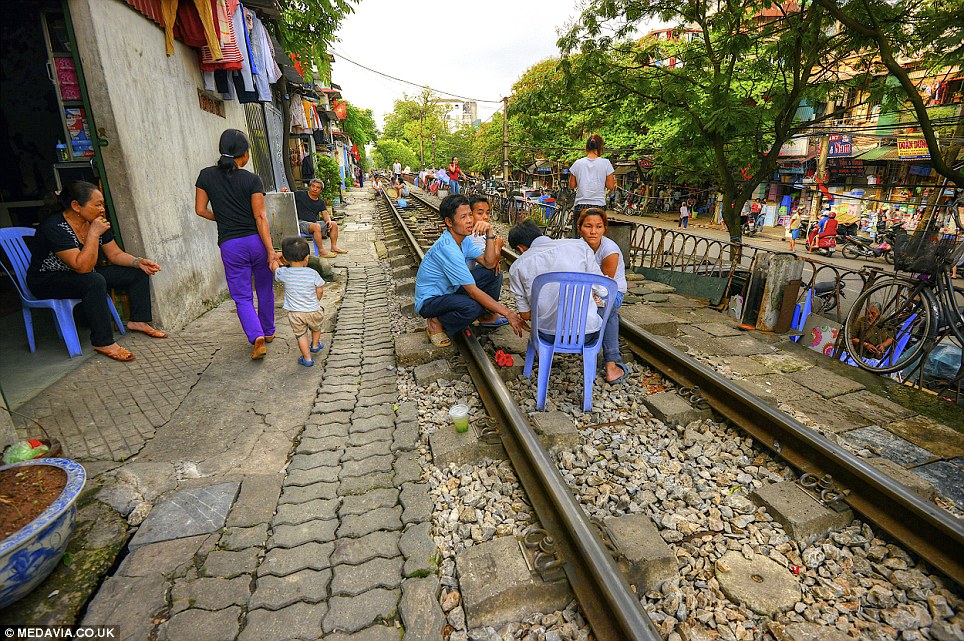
(329, 407)
(189, 512)
(415, 349)
(256, 501)
(434, 371)
(671, 409)
(201, 624)
(385, 398)
(331, 418)
(372, 412)
(731, 346)
(374, 633)
(876, 408)
(947, 479)
(651, 319)
(208, 593)
(804, 518)
(505, 338)
(382, 544)
(240, 538)
(908, 478)
(421, 553)
(351, 614)
(316, 475)
(366, 466)
(760, 583)
(362, 503)
(368, 424)
(311, 461)
(461, 448)
(417, 503)
(555, 429)
(824, 382)
(289, 536)
(364, 451)
(329, 430)
(407, 468)
(383, 518)
(295, 513)
(298, 621)
(383, 434)
(497, 587)
(362, 484)
(777, 388)
(407, 411)
(927, 433)
(650, 559)
(406, 437)
(228, 564)
(351, 580)
(745, 366)
(721, 330)
(888, 445)
(831, 416)
(285, 561)
(310, 445)
(276, 592)
(302, 494)
(420, 611)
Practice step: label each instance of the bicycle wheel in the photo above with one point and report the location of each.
(889, 257)
(886, 328)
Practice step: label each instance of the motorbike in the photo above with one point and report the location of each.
(825, 296)
(823, 245)
(855, 247)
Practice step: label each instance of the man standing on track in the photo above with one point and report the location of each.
(397, 169)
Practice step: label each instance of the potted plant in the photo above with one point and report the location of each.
(37, 515)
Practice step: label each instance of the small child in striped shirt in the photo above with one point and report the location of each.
(304, 288)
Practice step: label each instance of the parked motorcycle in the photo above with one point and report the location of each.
(825, 296)
(855, 247)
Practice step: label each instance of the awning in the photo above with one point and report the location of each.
(884, 152)
(288, 70)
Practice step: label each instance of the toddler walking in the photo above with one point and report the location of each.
(303, 291)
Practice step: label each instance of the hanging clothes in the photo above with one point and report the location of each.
(298, 121)
(244, 96)
(203, 13)
(241, 32)
(230, 55)
(309, 114)
(268, 71)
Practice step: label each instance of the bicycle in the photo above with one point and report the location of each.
(896, 322)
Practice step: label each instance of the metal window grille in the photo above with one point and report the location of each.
(258, 136)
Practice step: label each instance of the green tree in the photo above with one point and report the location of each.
(416, 119)
(725, 90)
(327, 169)
(387, 150)
(306, 28)
(360, 127)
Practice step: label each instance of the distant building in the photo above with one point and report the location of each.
(459, 113)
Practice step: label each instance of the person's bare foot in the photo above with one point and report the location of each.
(145, 328)
(614, 371)
(489, 318)
(433, 326)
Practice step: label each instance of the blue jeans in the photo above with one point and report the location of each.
(458, 310)
(454, 187)
(610, 345)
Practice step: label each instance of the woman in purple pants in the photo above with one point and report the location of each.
(237, 206)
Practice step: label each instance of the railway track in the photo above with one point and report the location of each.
(611, 607)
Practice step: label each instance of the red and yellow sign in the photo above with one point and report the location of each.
(912, 147)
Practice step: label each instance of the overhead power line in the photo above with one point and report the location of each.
(409, 82)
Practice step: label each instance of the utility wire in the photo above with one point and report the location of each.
(409, 82)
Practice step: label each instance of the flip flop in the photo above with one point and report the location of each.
(259, 350)
(496, 323)
(328, 255)
(341, 251)
(315, 350)
(302, 361)
(119, 354)
(268, 339)
(152, 332)
(440, 339)
(621, 379)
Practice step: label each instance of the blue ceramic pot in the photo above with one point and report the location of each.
(32, 552)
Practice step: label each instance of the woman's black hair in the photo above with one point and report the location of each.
(233, 144)
(57, 202)
(595, 143)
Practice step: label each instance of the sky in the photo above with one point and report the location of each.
(473, 48)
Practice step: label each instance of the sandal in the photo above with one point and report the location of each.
(315, 350)
(439, 339)
(268, 339)
(302, 361)
(118, 354)
(328, 255)
(340, 251)
(259, 350)
(150, 331)
(621, 379)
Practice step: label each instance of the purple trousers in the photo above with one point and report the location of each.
(243, 258)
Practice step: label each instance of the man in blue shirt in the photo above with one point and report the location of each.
(446, 292)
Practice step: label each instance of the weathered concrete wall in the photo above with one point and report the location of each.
(146, 105)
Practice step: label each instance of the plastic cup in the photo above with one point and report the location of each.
(460, 417)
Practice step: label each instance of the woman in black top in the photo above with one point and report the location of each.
(63, 265)
(237, 206)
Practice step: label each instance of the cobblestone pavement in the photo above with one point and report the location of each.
(338, 545)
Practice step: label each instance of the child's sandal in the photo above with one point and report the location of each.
(302, 361)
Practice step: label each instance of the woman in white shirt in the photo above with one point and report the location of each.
(590, 176)
(592, 226)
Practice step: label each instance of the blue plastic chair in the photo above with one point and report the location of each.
(893, 355)
(15, 247)
(311, 238)
(800, 314)
(575, 300)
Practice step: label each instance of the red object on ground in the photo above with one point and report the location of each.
(504, 360)
(35, 443)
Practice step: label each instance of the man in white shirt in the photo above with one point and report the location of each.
(539, 255)
(397, 169)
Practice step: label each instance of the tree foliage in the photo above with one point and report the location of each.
(360, 127)
(307, 26)
(387, 150)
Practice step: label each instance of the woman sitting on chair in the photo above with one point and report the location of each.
(63, 265)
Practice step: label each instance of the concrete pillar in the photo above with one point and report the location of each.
(620, 233)
(282, 215)
(780, 292)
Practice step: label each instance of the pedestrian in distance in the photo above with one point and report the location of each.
(236, 197)
(684, 215)
(314, 217)
(447, 294)
(304, 288)
(63, 264)
(455, 175)
(590, 176)
(397, 169)
(593, 225)
(794, 227)
(760, 216)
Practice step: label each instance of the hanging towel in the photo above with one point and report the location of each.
(191, 25)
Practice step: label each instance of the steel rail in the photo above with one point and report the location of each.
(924, 528)
(609, 603)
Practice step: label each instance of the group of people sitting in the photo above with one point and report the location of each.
(459, 281)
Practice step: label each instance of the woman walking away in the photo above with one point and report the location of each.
(63, 265)
(592, 229)
(590, 176)
(237, 206)
(684, 215)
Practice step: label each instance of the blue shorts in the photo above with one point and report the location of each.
(795, 233)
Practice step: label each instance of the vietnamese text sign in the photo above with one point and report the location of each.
(841, 146)
(912, 148)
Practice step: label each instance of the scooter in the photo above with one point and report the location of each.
(823, 245)
(825, 295)
(855, 247)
